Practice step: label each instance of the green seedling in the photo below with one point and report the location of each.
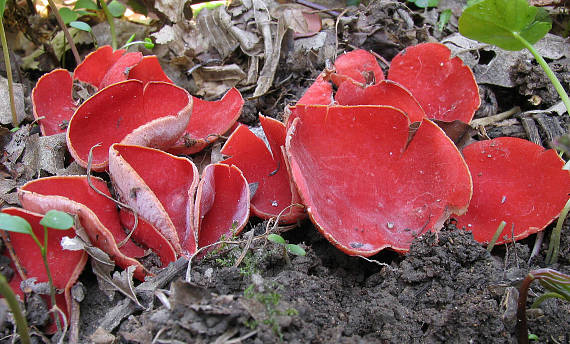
(558, 286)
(444, 17)
(510, 25)
(425, 3)
(52, 219)
(147, 42)
(270, 299)
(8, 65)
(287, 248)
(114, 9)
(12, 301)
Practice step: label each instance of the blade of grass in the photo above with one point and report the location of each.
(554, 245)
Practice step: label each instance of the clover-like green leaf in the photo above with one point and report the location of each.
(116, 9)
(68, 15)
(425, 3)
(79, 25)
(14, 224)
(499, 22)
(86, 4)
(57, 220)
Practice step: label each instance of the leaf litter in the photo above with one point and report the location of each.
(338, 298)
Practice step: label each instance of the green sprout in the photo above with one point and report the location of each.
(425, 3)
(53, 219)
(147, 42)
(8, 65)
(510, 25)
(21, 323)
(287, 248)
(114, 10)
(270, 300)
(558, 285)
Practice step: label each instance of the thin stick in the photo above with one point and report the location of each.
(481, 122)
(8, 74)
(89, 163)
(65, 32)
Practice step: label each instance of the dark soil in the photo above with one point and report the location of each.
(447, 289)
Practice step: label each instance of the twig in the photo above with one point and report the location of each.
(65, 32)
(481, 122)
(319, 7)
(89, 163)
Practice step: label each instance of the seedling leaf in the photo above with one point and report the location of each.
(278, 239)
(499, 22)
(444, 17)
(68, 15)
(425, 3)
(2, 7)
(14, 224)
(86, 4)
(148, 43)
(132, 38)
(296, 250)
(80, 26)
(116, 9)
(57, 220)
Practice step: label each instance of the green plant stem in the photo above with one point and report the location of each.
(21, 323)
(43, 250)
(547, 70)
(8, 73)
(65, 32)
(554, 245)
(109, 17)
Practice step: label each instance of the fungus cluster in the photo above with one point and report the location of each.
(362, 152)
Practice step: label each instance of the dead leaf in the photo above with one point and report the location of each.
(101, 336)
(272, 56)
(211, 24)
(45, 153)
(121, 281)
(213, 81)
(5, 110)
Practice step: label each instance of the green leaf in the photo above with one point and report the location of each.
(79, 25)
(85, 13)
(67, 15)
(57, 220)
(2, 7)
(116, 9)
(14, 224)
(278, 239)
(130, 39)
(499, 22)
(352, 2)
(444, 17)
(425, 3)
(296, 250)
(148, 43)
(86, 4)
(532, 336)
